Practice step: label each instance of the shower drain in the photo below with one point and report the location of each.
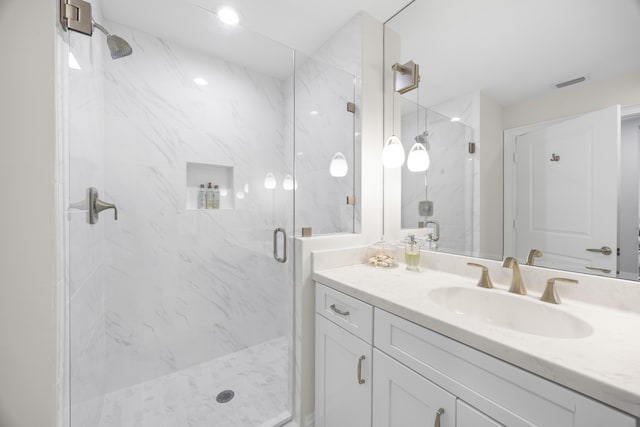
(225, 396)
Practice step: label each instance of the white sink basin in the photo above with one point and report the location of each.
(513, 312)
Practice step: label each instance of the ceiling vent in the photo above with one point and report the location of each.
(571, 82)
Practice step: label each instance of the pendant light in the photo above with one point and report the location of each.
(338, 166)
(270, 181)
(418, 160)
(393, 151)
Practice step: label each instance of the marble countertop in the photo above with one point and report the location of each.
(604, 365)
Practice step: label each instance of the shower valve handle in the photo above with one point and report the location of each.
(96, 206)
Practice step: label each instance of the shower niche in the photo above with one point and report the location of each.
(205, 173)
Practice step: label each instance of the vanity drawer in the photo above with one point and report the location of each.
(508, 394)
(353, 315)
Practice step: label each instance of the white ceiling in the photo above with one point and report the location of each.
(268, 28)
(516, 49)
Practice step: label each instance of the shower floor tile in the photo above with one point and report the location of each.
(258, 376)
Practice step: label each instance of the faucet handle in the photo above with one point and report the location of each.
(485, 280)
(550, 294)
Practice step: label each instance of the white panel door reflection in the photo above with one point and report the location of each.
(566, 195)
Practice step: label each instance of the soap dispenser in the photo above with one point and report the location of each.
(216, 197)
(201, 198)
(412, 254)
(209, 197)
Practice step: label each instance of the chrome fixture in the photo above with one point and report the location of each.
(118, 46)
(96, 206)
(360, 360)
(605, 250)
(435, 236)
(550, 295)
(407, 77)
(517, 284)
(281, 259)
(418, 159)
(76, 15)
(439, 414)
(485, 280)
(533, 254)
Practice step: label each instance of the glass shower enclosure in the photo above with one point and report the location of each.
(180, 311)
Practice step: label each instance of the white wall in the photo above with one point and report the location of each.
(628, 211)
(581, 98)
(28, 269)
(491, 178)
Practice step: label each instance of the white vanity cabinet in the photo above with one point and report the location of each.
(418, 373)
(404, 398)
(343, 360)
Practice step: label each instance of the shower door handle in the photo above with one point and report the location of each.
(281, 259)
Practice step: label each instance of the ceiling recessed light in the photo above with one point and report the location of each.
(228, 16)
(200, 81)
(314, 113)
(455, 119)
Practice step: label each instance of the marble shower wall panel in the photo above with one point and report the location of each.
(187, 286)
(323, 127)
(85, 243)
(448, 179)
(325, 82)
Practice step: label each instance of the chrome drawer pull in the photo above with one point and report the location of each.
(439, 413)
(337, 310)
(360, 379)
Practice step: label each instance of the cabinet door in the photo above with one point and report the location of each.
(343, 377)
(403, 398)
(468, 416)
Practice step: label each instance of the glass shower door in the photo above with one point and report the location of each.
(179, 313)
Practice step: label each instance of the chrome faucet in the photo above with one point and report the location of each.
(533, 254)
(517, 284)
(435, 236)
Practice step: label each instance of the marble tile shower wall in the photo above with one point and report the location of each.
(449, 180)
(85, 243)
(324, 83)
(187, 286)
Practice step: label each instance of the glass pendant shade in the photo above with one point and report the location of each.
(288, 184)
(393, 153)
(338, 166)
(270, 181)
(418, 160)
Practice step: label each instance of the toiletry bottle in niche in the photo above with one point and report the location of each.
(216, 197)
(412, 254)
(202, 203)
(209, 197)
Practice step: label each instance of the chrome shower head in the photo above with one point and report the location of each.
(422, 139)
(118, 46)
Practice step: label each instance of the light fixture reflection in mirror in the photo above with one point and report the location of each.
(338, 167)
(289, 183)
(270, 181)
(393, 153)
(418, 160)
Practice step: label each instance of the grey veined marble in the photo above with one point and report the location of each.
(188, 397)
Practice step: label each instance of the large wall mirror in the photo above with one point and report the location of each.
(529, 111)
